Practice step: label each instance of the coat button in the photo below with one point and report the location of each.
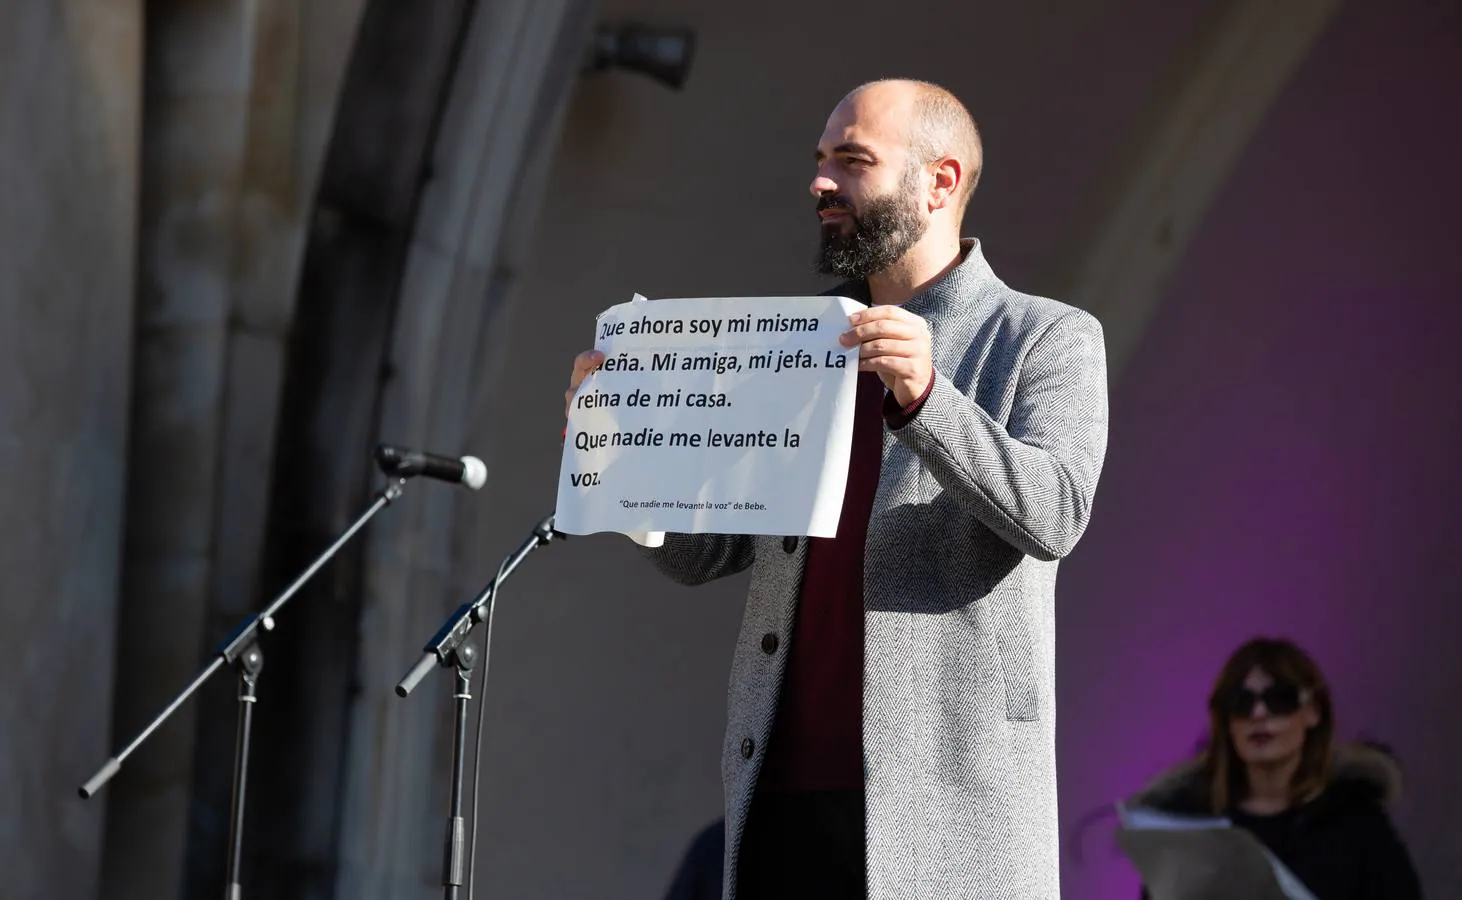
(748, 747)
(789, 544)
(769, 643)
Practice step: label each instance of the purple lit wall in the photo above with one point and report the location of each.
(1286, 455)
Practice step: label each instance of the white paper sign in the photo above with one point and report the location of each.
(1202, 858)
(723, 415)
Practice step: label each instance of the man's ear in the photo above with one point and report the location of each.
(948, 176)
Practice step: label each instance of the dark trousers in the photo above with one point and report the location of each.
(808, 846)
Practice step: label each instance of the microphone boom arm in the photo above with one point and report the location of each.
(241, 650)
(438, 651)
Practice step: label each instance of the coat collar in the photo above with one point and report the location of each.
(948, 294)
(1361, 768)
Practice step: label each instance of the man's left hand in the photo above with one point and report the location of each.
(896, 346)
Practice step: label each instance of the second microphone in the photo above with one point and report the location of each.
(400, 462)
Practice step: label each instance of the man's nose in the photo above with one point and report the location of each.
(823, 185)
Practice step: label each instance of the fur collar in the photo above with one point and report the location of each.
(1359, 768)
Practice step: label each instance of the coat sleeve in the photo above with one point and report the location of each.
(693, 559)
(1031, 481)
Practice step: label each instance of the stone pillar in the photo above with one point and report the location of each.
(501, 123)
(69, 127)
(196, 100)
(239, 95)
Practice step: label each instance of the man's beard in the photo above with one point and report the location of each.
(882, 233)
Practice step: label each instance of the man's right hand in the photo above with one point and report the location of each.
(584, 363)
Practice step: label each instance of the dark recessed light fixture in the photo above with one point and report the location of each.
(664, 54)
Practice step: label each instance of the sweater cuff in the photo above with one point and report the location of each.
(896, 417)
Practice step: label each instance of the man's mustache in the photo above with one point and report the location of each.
(834, 201)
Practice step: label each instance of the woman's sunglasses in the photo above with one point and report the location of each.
(1279, 699)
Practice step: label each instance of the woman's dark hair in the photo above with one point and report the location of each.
(1283, 661)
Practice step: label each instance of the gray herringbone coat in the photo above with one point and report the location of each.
(979, 496)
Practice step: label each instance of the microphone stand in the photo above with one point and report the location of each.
(241, 650)
(450, 650)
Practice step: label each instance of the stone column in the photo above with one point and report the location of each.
(69, 126)
(196, 99)
(239, 96)
(501, 123)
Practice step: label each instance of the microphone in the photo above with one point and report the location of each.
(468, 470)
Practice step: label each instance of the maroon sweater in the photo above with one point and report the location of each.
(817, 738)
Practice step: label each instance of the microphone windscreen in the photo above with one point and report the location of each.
(474, 472)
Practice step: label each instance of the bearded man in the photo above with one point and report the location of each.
(891, 722)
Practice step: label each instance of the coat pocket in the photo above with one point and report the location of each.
(1017, 662)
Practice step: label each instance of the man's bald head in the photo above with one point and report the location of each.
(938, 126)
(896, 164)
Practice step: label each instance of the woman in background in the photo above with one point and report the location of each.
(1272, 767)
